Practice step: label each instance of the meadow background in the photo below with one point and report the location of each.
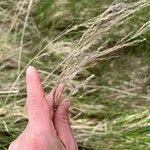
(99, 48)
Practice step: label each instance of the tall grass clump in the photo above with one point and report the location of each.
(102, 116)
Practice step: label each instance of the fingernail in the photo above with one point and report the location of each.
(30, 69)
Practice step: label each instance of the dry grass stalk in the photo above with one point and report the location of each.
(83, 54)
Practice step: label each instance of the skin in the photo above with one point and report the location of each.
(48, 126)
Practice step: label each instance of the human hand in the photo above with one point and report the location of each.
(48, 126)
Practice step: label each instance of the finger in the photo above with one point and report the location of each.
(37, 107)
(54, 97)
(62, 125)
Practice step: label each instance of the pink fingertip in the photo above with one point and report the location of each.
(30, 69)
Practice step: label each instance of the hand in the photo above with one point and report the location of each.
(48, 126)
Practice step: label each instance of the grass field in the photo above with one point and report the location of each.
(99, 49)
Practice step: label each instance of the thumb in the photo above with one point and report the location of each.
(62, 126)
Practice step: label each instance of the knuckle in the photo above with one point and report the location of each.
(11, 146)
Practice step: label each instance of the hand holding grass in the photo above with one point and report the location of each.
(48, 126)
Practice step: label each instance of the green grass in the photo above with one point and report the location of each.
(115, 120)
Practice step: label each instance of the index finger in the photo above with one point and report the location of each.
(37, 107)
